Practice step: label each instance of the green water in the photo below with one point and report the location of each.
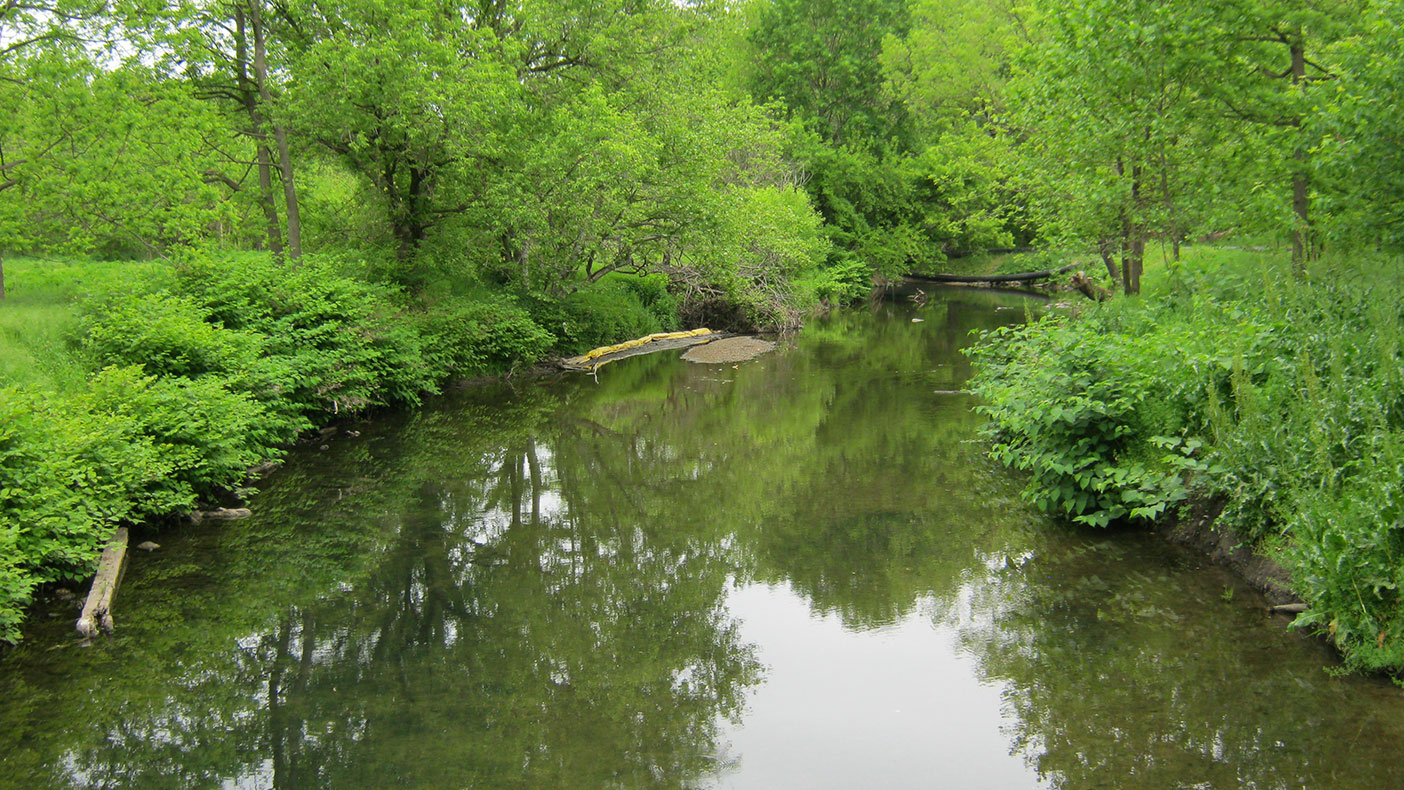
(798, 572)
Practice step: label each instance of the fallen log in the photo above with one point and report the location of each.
(221, 514)
(658, 341)
(1089, 289)
(1021, 277)
(97, 610)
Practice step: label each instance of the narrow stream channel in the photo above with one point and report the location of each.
(798, 572)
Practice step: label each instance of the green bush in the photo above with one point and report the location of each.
(165, 334)
(1086, 421)
(1284, 401)
(68, 476)
(208, 435)
(464, 336)
(346, 343)
(604, 313)
(1347, 556)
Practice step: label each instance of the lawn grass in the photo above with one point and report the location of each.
(39, 317)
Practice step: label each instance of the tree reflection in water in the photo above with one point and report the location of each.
(526, 586)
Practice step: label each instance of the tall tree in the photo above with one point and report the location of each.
(1272, 58)
(1106, 94)
(823, 71)
(1361, 133)
(225, 47)
(823, 62)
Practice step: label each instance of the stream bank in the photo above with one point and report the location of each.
(798, 572)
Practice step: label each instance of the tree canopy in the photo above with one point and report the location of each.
(543, 146)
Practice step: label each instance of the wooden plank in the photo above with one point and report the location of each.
(97, 610)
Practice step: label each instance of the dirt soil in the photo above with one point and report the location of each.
(731, 349)
(1195, 527)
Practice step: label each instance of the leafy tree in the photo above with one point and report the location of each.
(850, 135)
(1361, 159)
(1274, 59)
(822, 61)
(225, 49)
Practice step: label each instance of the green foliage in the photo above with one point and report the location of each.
(1287, 404)
(1360, 159)
(165, 334)
(208, 435)
(615, 309)
(345, 341)
(68, 476)
(1086, 421)
(1347, 555)
(465, 336)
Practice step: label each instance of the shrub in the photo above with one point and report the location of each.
(206, 434)
(68, 476)
(346, 342)
(1286, 402)
(1347, 556)
(165, 334)
(1086, 421)
(490, 333)
(607, 312)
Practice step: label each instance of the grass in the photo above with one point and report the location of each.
(38, 317)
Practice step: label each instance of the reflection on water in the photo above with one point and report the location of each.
(796, 572)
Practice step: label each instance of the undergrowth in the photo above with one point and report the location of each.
(135, 391)
(1229, 379)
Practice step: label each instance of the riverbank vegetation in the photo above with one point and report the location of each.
(1230, 383)
(230, 222)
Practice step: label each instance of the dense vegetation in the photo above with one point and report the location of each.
(309, 208)
(1285, 404)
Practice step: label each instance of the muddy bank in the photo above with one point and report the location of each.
(1194, 527)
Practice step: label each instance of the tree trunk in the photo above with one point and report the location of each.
(1105, 249)
(280, 134)
(248, 97)
(406, 218)
(1138, 257)
(1301, 181)
(267, 201)
(1134, 251)
(294, 215)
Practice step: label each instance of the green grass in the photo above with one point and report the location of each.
(38, 317)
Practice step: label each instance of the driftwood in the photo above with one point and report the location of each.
(221, 514)
(97, 610)
(1089, 289)
(1022, 277)
(659, 341)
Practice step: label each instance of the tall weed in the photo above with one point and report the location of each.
(1284, 400)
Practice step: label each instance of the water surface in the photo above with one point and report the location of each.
(798, 572)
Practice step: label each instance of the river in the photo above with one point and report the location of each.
(795, 572)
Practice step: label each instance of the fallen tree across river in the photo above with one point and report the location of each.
(985, 279)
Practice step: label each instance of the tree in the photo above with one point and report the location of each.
(1107, 96)
(851, 137)
(1361, 133)
(114, 160)
(1269, 66)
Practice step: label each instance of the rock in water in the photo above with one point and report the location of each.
(728, 350)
